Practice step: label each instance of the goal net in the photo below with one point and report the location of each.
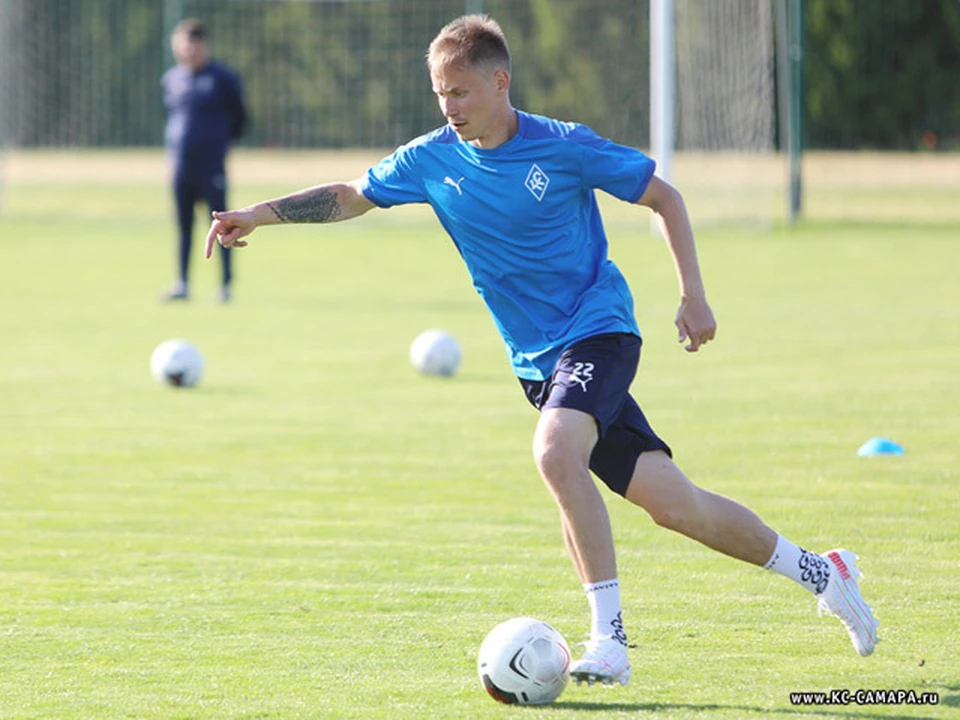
(351, 74)
(726, 157)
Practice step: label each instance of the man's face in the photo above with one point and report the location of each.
(189, 51)
(472, 101)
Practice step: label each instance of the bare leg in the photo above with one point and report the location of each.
(561, 447)
(572, 548)
(661, 488)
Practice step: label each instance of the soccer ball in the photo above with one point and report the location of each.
(435, 352)
(524, 661)
(177, 363)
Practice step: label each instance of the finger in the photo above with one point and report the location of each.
(211, 239)
(690, 335)
(707, 335)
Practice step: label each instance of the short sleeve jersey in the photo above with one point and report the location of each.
(525, 220)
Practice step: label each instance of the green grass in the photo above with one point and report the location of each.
(318, 532)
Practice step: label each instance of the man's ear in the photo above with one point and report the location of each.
(501, 79)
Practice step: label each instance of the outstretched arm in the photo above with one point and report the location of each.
(321, 204)
(695, 320)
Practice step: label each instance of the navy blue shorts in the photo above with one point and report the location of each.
(594, 376)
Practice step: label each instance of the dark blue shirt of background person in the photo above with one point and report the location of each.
(205, 111)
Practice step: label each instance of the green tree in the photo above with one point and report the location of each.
(880, 74)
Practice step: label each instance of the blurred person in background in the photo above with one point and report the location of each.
(205, 112)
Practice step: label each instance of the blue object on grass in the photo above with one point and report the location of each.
(880, 446)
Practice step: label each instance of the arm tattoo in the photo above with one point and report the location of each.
(310, 206)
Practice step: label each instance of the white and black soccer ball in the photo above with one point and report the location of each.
(524, 661)
(177, 363)
(435, 352)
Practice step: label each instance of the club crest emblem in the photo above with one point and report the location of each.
(537, 182)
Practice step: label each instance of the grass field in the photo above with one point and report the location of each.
(318, 532)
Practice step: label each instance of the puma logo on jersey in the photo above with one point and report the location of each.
(582, 373)
(455, 183)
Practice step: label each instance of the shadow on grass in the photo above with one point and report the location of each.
(744, 710)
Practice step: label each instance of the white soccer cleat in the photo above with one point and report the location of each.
(843, 600)
(604, 661)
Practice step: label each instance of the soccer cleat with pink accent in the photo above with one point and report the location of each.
(843, 600)
(604, 661)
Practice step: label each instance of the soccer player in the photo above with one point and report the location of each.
(205, 113)
(515, 192)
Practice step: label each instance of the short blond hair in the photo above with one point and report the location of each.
(474, 41)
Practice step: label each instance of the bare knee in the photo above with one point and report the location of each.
(675, 511)
(662, 489)
(558, 466)
(561, 448)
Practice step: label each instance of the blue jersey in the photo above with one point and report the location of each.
(525, 220)
(205, 112)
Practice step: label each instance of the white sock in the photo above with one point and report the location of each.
(607, 615)
(806, 568)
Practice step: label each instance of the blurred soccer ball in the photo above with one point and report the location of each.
(177, 363)
(524, 661)
(435, 352)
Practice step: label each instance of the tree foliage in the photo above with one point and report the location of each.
(881, 74)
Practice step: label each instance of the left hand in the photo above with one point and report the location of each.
(695, 322)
